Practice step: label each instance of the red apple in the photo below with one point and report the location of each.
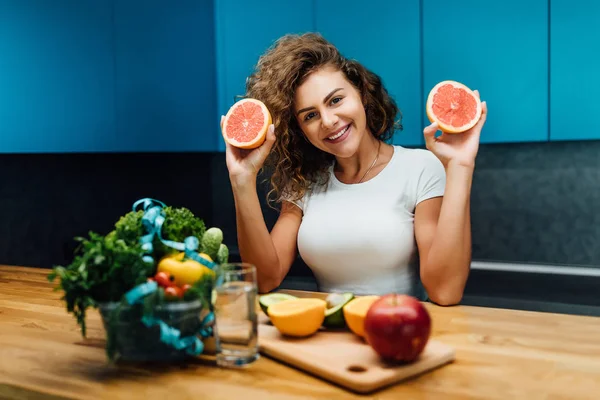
(397, 327)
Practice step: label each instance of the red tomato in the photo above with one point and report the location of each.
(173, 292)
(185, 287)
(163, 279)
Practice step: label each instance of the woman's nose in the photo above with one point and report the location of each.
(328, 120)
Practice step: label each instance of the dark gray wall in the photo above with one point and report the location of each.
(530, 203)
(537, 203)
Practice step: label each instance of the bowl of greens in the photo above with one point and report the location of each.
(151, 278)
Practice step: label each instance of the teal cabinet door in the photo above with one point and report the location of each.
(165, 75)
(384, 36)
(574, 69)
(499, 48)
(244, 30)
(56, 76)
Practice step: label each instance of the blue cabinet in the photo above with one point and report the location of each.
(244, 30)
(383, 35)
(102, 76)
(56, 76)
(165, 86)
(499, 48)
(574, 66)
(156, 75)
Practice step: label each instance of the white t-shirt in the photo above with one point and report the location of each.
(360, 237)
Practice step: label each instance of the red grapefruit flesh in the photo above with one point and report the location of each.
(246, 123)
(454, 107)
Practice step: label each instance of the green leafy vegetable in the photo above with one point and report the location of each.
(179, 224)
(129, 227)
(104, 268)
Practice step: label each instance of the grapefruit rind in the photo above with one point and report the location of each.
(260, 137)
(446, 128)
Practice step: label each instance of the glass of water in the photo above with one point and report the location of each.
(236, 329)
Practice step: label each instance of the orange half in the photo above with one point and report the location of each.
(355, 313)
(298, 317)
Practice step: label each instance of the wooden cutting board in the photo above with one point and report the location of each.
(345, 359)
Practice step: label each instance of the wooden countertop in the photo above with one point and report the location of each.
(500, 354)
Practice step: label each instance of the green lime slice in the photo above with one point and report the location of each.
(266, 300)
(334, 315)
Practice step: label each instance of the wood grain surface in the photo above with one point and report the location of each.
(500, 354)
(344, 358)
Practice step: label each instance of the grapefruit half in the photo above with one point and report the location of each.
(246, 123)
(454, 107)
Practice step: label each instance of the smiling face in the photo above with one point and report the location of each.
(330, 112)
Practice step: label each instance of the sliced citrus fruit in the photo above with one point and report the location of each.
(356, 311)
(246, 123)
(298, 317)
(334, 315)
(272, 298)
(454, 106)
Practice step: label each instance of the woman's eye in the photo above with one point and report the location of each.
(309, 116)
(336, 100)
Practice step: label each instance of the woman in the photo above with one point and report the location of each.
(366, 217)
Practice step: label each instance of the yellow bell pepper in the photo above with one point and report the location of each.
(183, 272)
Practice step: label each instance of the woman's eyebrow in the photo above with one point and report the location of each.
(324, 101)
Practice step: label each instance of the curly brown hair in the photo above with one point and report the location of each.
(295, 165)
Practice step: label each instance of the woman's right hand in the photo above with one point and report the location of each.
(243, 165)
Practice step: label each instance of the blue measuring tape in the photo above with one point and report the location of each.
(169, 335)
(153, 220)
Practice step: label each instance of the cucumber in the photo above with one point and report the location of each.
(223, 254)
(211, 241)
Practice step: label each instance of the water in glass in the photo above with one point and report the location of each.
(236, 323)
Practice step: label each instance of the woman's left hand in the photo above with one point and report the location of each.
(456, 148)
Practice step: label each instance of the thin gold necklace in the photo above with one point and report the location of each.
(373, 164)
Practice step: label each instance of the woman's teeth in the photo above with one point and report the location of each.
(339, 134)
